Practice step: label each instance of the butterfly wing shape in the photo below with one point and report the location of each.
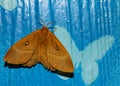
(94, 51)
(57, 55)
(23, 51)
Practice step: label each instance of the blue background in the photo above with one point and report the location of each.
(85, 20)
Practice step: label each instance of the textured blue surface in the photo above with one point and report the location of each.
(87, 22)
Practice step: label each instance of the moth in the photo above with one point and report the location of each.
(41, 46)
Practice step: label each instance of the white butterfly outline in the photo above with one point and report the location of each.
(94, 51)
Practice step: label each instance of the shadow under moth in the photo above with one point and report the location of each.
(41, 46)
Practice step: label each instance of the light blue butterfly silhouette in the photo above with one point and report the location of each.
(94, 51)
(8, 4)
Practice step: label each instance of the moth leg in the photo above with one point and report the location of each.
(49, 67)
(30, 63)
(46, 65)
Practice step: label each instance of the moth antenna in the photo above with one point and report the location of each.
(53, 29)
(50, 23)
(42, 22)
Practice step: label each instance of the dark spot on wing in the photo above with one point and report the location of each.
(27, 43)
(57, 48)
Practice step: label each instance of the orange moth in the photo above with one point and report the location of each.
(41, 46)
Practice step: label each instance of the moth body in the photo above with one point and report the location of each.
(41, 46)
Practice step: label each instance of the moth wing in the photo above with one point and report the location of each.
(58, 56)
(22, 51)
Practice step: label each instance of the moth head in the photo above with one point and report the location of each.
(45, 25)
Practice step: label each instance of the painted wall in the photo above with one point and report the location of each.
(89, 30)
